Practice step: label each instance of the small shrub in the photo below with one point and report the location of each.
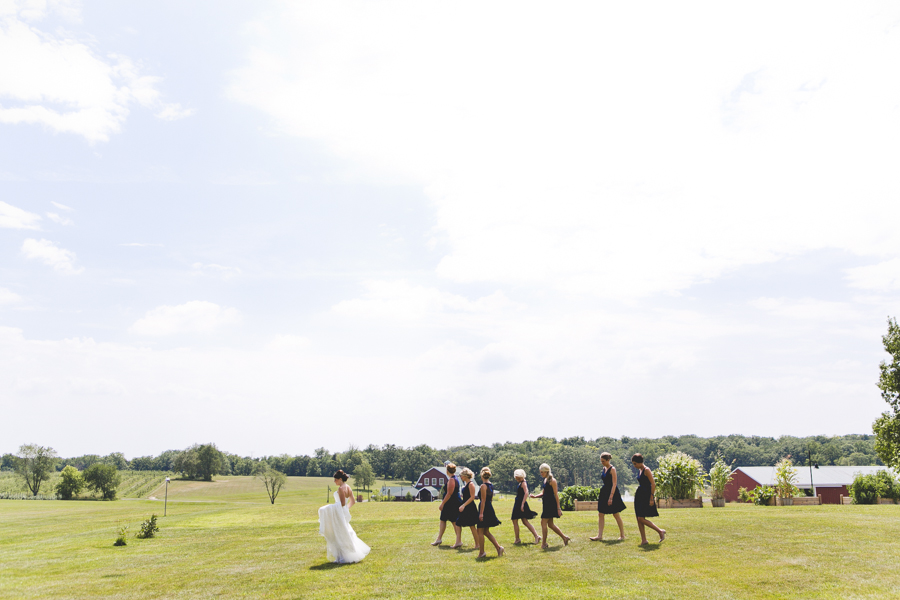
(745, 495)
(762, 495)
(409, 496)
(122, 540)
(148, 528)
(568, 496)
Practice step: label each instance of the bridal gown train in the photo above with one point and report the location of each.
(341, 543)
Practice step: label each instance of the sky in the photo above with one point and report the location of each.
(277, 226)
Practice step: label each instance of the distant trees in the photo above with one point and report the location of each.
(103, 478)
(70, 484)
(887, 426)
(34, 465)
(200, 461)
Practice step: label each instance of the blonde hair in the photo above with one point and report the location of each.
(546, 467)
(486, 471)
(519, 473)
(467, 473)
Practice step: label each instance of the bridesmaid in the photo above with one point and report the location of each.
(450, 507)
(521, 509)
(487, 518)
(551, 510)
(468, 514)
(644, 503)
(610, 501)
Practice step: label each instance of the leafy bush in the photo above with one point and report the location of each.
(568, 496)
(679, 476)
(122, 540)
(148, 528)
(864, 489)
(762, 495)
(719, 476)
(409, 496)
(104, 479)
(70, 483)
(785, 478)
(888, 486)
(745, 495)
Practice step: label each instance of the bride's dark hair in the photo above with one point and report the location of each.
(339, 474)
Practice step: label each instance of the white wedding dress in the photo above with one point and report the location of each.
(341, 543)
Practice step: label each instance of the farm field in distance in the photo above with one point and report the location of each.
(225, 540)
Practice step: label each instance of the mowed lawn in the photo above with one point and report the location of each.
(225, 540)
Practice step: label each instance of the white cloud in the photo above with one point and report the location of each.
(50, 254)
(590, 160)
(413, 305)
(57, 218)
(16, 218)
(62, 206)
(190, 317)
(884, 276)
(809, 309)
(173, 112)
(7, 297)
(63, 84)
(216, 270)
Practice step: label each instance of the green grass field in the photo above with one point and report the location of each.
(224, 540)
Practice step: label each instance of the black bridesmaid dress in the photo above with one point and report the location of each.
(549, 509)
(469, 515)
(450, 512)
(603, 505)
(490, 517)
(518, 513)
(642, 506)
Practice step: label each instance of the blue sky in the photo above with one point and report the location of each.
(280, 226)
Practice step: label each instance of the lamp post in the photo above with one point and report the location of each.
(811, 483)
(166, 503)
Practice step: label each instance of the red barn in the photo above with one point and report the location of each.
(830, 482)
(435, 477)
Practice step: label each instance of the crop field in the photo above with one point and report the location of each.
(223, 539)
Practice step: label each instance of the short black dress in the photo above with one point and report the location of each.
(450, 512)
(642, 506)
(549, 510)
(518, 513)
(490, 517)
(469, 515)
(603, 505)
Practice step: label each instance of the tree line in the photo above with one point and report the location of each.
(575, 460)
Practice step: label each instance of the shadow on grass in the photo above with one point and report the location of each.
(611, 542)
(329, 566)
(554, 548)
(651, 547)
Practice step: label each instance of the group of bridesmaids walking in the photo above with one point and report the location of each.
(458, 508)
(458, 505)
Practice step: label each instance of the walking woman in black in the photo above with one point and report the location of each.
(644, 503)
(610, 501)
(551, 510)
(487, 518)
(468, 513)
(521, 509)
(450, 507)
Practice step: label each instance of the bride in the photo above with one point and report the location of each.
(341, 543)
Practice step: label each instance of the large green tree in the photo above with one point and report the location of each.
(103, 478)
(200, 462)
(887, 426)
(34, 465)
